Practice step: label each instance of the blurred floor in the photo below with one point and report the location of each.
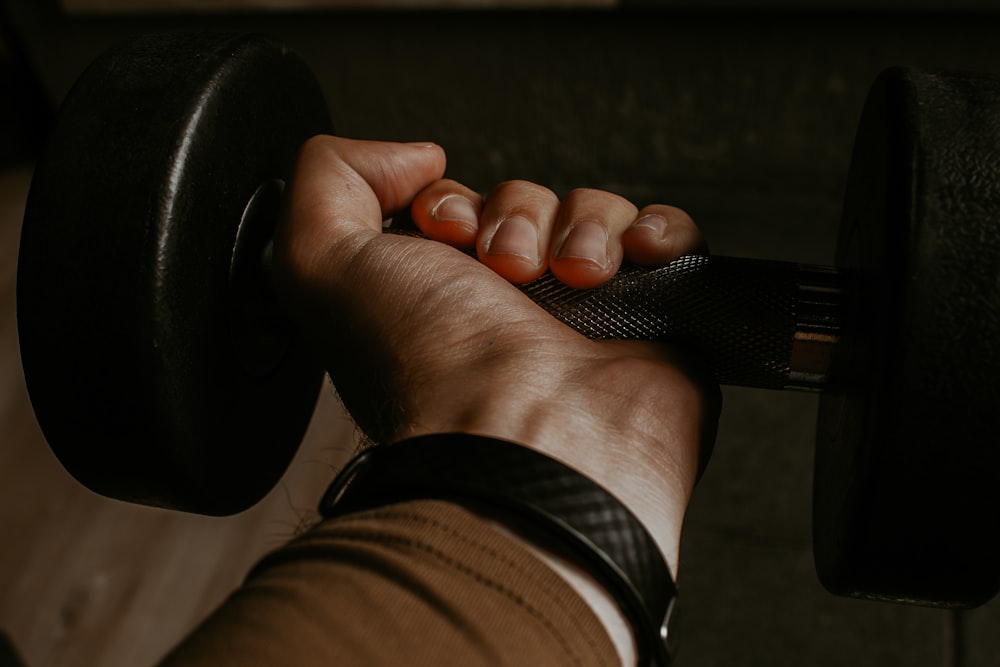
(85, 580)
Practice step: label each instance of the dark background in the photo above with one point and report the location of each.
(743, 113)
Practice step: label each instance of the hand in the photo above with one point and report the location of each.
(420, 338)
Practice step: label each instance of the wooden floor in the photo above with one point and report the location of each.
(85, 580)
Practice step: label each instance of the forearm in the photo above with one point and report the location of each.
(419, 583)
(527, 502)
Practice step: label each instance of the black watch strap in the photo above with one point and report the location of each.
(542, 496)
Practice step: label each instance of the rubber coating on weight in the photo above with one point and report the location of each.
(124, 295)
(907, 491)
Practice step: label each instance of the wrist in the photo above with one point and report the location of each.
(633, 424)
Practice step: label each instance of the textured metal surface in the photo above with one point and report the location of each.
(738, 314)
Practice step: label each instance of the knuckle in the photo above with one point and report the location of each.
(602, 204)
(449, 184)
(592, 193)
(676, 216)
(517, 188)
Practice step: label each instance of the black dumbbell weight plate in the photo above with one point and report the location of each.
(907, 493)
(160, 370)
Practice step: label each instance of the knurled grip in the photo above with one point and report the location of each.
(742, 316)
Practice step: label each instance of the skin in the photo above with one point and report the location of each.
(582, 240)
(420, 338)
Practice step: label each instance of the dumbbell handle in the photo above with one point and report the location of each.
(757, 323)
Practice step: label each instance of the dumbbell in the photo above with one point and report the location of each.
(162, 370)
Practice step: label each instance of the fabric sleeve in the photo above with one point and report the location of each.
(417, 583)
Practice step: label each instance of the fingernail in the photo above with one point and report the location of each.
(421, 144)
(656, 224)
(588, 240)
(457, 209)
(516, 236)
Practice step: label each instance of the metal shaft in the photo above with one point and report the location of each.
(757, 323)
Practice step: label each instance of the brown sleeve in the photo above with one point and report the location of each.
(418, 583)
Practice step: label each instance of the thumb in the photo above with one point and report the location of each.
(341, 192)
(330, 256)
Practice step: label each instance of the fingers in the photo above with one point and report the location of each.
(661, 234)
(510, 230)
(586, 249)
(514, 230)
(447, 211)
(522, 229)
(343, 189)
